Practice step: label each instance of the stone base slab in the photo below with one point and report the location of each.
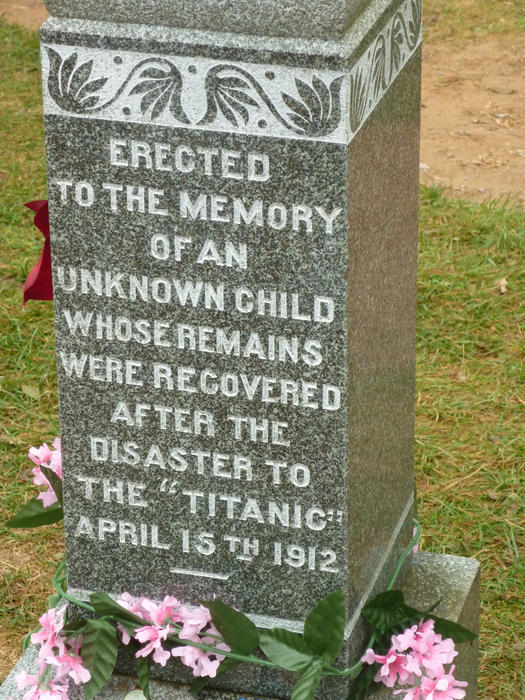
(427, 578)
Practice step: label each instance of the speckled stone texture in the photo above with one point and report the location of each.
(427, 578)
(289, 18)
(234, 241)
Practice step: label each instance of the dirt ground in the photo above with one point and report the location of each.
(473, 115)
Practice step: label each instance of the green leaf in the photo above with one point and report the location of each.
(239, 633)
(33, 514)
(308, 683)
(130, 627)
(143, 669)
(447, 628)
(285, 648)
(104, 605)
(360, 689)
(74, 625)
(55, 482)
(387, 610)
(202, 682)
(53, 600)
(99, 654)
(432, 607)
(325, 626)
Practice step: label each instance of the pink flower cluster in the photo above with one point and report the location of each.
(43, 456)
(58, 661)
(417, 661)
(171, 617)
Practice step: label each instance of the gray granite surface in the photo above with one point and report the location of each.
(342, 52)
(234, 260)
(287, 18)
(428, 578)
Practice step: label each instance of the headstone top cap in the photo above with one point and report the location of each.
(312, 19)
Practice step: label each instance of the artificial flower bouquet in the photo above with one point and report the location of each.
(410, 651)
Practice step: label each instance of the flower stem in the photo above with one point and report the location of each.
(59, 581)
(227, 654)
(397, 570)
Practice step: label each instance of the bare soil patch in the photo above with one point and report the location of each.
(28, 13)
(473, 116)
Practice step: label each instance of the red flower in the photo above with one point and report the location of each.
(39, 284)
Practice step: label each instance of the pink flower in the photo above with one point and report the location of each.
(164, 612)
(432, 652)
(70, 666)
(198, 660)
(134, 605)
(402, 642)
(56, 463)
(40, 455)
(188, 655)
(54, 691)
(47, 497)
(52, 623)
(25, 679)
(411, 693)
(202, 663)
(206, 666)
(43, 456)
(425, 655)
(38, 477)
(154, 636)
(445, 687)
(393, 668)
(124, 634)
(415, 548)
(194, 621)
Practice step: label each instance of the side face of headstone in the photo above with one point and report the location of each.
(234, 239)
(287, 18)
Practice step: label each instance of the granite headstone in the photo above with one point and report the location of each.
(233, 207)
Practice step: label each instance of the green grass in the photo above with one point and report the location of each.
(457, 20)
(470, 443)
(470, 395)
(26, 342)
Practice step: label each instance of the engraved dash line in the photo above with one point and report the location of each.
(203, 574)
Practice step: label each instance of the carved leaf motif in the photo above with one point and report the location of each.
(69, 84)
(156, 73)
(226, 111)
(91, 86)
(396, 42)
(161, 89)
(160, 105)
(311, 99)
(229, 95)
(66, 70)
(241, 96)
(322, 91)
(378, 66)
(300, 114)
(237, 106)
(318, 112)
(414, 23)
(357, 100)
(144, 86)
(80, 76)
(90, 102)
(150, 98)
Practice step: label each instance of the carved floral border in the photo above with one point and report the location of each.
(235, 97)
